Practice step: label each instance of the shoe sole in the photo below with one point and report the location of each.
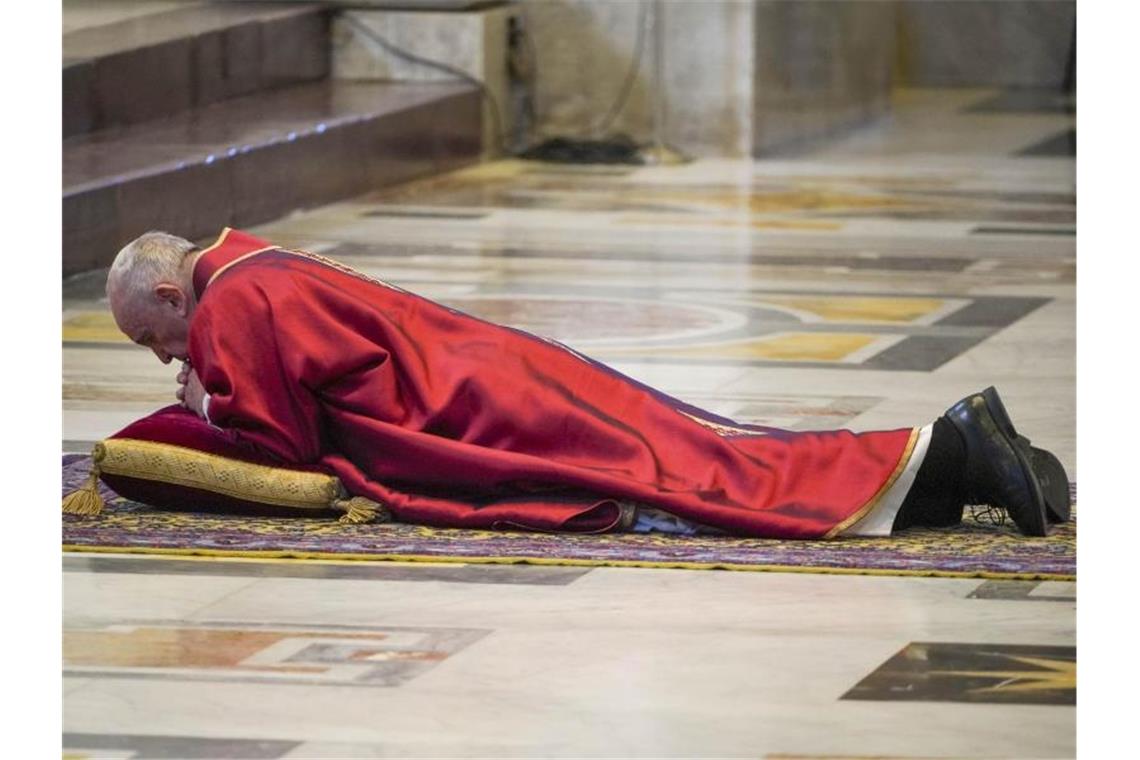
(1050, 474)
(1054, 483)
(1021, 450)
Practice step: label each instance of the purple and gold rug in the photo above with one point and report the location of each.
(970, 550)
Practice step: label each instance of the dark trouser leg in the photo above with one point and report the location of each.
(938, 494)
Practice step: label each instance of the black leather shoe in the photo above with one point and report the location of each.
(1054, 483)
(999, 470)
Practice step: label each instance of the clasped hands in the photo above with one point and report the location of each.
(190, 391)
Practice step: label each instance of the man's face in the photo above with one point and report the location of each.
(160, 322)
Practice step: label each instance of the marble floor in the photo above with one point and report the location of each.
(867, 283)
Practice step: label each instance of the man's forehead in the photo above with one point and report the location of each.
(128, 318)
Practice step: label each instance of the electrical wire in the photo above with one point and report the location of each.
(439, 65)
(619, 151)
(522, 57)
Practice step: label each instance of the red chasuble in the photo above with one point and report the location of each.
(449, 420)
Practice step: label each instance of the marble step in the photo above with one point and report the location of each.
(134, 69)
(247, 160)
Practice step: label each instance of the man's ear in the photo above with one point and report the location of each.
(172, 295)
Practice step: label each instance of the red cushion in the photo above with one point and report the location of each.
(179, 427)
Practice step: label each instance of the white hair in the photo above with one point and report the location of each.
(147, 260)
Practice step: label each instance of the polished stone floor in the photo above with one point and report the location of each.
(867, 283)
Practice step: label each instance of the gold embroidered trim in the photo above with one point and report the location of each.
(903, 461)
(238, 260)
(331, 263)
(721, 429)
(221, 239)
(343, 268)
(191, 468)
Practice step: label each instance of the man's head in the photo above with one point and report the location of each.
(150, 287)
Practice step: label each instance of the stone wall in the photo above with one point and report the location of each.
(471, 41)
(740, 77)
(584, 50)
(821, 66)
(963, 43)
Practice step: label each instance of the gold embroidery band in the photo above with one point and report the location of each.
(238, 260)
(904, 460)
(331, 263)
(343, 268)
(221, 239)
(720, 428)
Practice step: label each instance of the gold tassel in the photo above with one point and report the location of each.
(87, 501)
(360, 510)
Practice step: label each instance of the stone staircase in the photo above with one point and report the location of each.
(198, 116)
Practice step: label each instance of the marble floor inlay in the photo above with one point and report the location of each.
(1063, 144)
(1028, 100)
(258, 653)
(1003, 673)
(1029, 591)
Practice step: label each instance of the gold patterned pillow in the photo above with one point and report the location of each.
(174, 460)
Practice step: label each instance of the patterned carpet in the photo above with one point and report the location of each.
(968, 550)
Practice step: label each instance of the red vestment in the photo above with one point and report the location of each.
(450, 420)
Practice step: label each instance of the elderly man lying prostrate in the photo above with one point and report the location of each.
(449, 420)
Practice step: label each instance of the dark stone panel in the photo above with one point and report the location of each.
(192, 202)
(78, 101)
(1014, 591)
(511, 575)
(1060, 145)
(1022, 231)
(994, 312)
(979, 673)
(295, 49)
(922, 353)
(188, 747)
(1027, 100)
(139, 85)
(90, 229)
